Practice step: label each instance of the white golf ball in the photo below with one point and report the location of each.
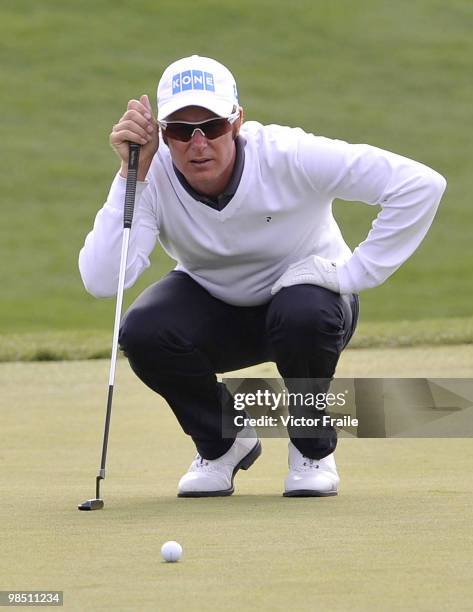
(171, 551)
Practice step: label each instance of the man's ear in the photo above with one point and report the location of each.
(164, 137)
(238, 122)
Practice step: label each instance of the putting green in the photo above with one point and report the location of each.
(396, 538)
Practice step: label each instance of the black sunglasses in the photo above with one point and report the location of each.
(210, 128)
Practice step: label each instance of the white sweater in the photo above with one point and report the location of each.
(280, 213)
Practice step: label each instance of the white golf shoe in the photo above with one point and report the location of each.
(310, 477)
(214, 477)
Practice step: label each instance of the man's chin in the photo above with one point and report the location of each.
(204, 172)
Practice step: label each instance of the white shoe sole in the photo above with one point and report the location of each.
(244, 464)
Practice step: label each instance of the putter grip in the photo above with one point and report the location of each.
(133, 158)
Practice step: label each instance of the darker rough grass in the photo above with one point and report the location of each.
(96, 344)
(394, 74)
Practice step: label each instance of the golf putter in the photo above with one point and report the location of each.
(130, 191)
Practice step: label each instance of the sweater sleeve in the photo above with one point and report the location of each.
(99, 258)
(407, 191)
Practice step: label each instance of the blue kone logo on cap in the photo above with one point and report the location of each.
(192, 79)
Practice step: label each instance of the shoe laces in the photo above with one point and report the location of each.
(309, 464)
(200, 464)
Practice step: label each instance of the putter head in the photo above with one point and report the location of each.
(91, 504)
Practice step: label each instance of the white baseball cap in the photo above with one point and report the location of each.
(197, 81)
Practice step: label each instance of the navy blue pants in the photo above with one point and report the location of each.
(176, 337)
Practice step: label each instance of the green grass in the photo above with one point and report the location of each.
(394, 539)
(394, 74)
(57, 345)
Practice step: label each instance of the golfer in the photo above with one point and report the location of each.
(263, 272)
